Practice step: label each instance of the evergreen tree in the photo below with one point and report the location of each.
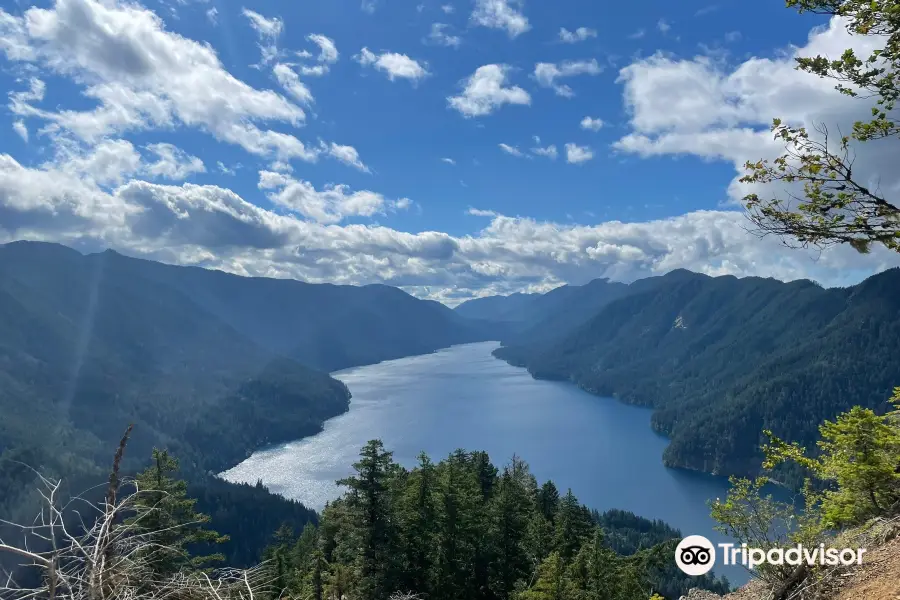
(573, 526)
(419, 521)
(369, 503)
(458, 527)
(167, 515)
(548, 500)
(512, 507)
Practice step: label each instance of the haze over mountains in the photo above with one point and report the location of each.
(207, 364)
(214, 365)
(720, 358)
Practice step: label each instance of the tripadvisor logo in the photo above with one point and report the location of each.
(695, 555)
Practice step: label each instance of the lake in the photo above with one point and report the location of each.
(462, 397)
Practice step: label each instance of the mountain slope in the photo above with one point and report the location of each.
(539, 317)
(210, 365)
(723, 358)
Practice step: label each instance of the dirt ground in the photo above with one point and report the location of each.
(878, 578)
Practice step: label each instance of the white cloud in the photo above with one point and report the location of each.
(448, 9)
(368, 6)
(225, 170)
(393, 64)
(449, 161)
(109, 162)
(212, 15)
(548, 151)
(68, 201)
(547, 74)
(331, 205)
(486, 90)
(663, 25)
(592, 124)
(172, 163)
(511, 150)
(579, 35)
(141, 76)
(477, 212)
(268, 30)
(700, 107)
(291, 83)
(20, 128)
(439, 37)
(501, 14)
(637, 34)
(576, 154)
(346, 154)
(328, 52)
(214, 227)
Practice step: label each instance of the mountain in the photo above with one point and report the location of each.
(207, 364)
(534, 317)
(723, 358)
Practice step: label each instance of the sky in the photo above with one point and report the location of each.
(454, 148)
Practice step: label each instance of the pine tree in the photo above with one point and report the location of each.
(167, 515)
(548, 500)
(458, 527)
(418, 518)
(573, 526)
(369, 502)
(512, 507)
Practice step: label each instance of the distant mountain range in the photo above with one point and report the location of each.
(214, 366)
(210, 365)
(719, 358)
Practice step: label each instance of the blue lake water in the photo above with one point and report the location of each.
(462, 397)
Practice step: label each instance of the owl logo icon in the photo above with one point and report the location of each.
(695, 555)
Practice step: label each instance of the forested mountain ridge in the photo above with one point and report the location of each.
(732, 356)
(209, 365)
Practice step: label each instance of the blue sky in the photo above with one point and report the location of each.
(454, 148)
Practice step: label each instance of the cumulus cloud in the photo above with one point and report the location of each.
(700, 107)
(172, 163)
(346, 154)
(395, 66)
(328, 52)
(449, 161)
(486, 90)
(141, 76)
(579, 35)
(268, 30)
(592, 124)
(291, 83)
(547, 151)
(440, 37)
(576, 154)
(547, 74)
(331, 205)
(501, 14)
(512, 150)
(21, 130)
(212, 226)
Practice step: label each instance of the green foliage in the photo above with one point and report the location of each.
(167, 516)
(857, 466)
(210, 365)
(854, 476)
(462, 530)
(837, 206)
(753, 354)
